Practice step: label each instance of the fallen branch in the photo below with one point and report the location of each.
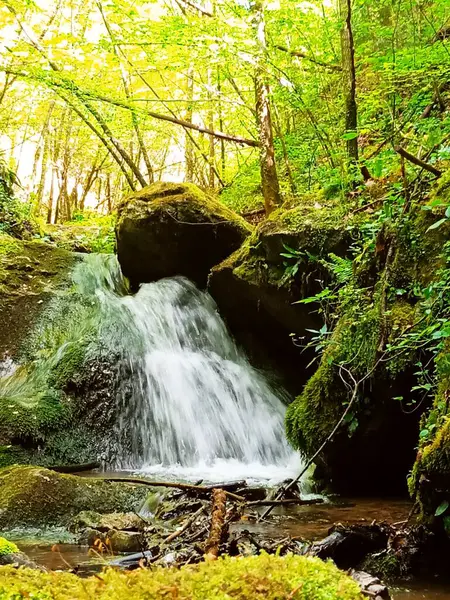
(293, 482)
(291, 502)
(186, 526)
(187, 487)
(218, 529)
(417, 161)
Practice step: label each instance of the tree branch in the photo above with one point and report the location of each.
(329, 66)
(417, 161)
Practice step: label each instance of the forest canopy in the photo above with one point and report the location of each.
(100, 98)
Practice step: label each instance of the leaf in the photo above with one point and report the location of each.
(350, 135)
(437, 224)
(442, 508)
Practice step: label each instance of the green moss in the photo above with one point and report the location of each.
(312, 415)
(384, 565)
(7, 547)
(33, 496)
(262, 577)
(185, 199)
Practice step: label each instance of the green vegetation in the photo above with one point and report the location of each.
(7, 547)
(268, 577)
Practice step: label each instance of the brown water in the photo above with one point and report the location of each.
(305, 522)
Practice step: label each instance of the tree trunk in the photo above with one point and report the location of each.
(349, 73)
(269, 177)
(189, 146)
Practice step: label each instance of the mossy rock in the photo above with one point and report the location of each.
(170, 229)
(260, 577)
(31, 272)
(257, 289)
(37, 497)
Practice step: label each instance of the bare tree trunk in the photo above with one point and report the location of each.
(45, 158)
(189, 146)
(51, 198)
(349, 73)
(212, 149)
(128, 94)
(269, 176)
(223, 163)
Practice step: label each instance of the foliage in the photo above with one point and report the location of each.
(7, 547)
(265, 576)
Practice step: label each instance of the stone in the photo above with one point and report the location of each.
(37, 497)
(170, 229)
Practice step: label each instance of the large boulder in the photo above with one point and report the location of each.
(170, 229)
(37, 497)
(256, 289)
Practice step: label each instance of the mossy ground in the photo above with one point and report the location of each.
(263, 577)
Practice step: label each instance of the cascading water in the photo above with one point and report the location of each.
(194, 407)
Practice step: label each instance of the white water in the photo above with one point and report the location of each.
(196, 409)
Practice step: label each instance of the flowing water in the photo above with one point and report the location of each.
(193, 407)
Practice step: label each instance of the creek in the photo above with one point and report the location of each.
(193, 408)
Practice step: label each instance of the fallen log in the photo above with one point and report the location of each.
(291, 502)
(75, 468)
(348, 546)
(218, 531)
(186, 487)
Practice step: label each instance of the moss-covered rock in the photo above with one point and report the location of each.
(31, 496)
(172, 229)
(257, 288)
(259, 577)
(30, 273)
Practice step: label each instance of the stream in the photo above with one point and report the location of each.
(197, 409)
(311, 522)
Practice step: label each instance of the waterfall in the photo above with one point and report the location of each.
(194, 407)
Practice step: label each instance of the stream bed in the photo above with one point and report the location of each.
(308, 522)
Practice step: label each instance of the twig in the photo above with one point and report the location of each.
(186, 525)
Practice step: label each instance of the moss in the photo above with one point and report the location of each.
(7, 547)
(384, 565)
(312, 415)
(30, 273)
(31, 418)
(89, 232)
(31, 496)
(263, 577)
(186, 199)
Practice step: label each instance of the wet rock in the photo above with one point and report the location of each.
(118, 521)
(170, 229)
(125, 541)
(31, 496)
(370, 586)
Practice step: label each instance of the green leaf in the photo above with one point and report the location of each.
(442, 508)
(437, 224)
(350, 135)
